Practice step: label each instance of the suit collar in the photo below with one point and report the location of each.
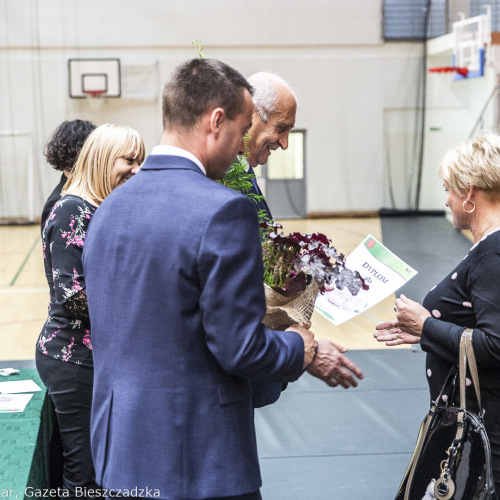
(169, 162)
(167, 149)
(262, 204)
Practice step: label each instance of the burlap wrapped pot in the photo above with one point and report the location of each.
(283, 312)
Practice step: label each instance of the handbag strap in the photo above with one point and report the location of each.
(424, 428)
(467, 356)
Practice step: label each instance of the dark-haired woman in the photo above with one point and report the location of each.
(61, 152)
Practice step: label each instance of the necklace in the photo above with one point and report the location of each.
(483, 232)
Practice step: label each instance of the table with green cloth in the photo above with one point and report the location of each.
(25, 443)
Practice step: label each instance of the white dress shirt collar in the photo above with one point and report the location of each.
(244, 160)
(163, 149)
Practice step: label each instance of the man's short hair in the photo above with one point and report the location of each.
(199, 85)
(265, 96)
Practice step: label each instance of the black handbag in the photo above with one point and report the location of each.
(452, 457)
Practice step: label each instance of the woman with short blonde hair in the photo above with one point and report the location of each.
(93, 178)
(469, 297)
(111, 155)
(475, 162)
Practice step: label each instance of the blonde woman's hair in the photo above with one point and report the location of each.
(475, 162)
(91, 176)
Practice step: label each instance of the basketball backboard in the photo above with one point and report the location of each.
(87, 77)
(472, 41)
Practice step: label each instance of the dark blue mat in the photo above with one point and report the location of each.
(24, 363)
(354, 477)
(323, 443)
(431, 245)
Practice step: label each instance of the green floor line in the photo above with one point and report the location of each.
(35, 243)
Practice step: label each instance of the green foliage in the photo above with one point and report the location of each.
(279, 261)
(199, 49)
(238, 179)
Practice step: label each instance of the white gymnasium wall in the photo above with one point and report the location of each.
(330, 51)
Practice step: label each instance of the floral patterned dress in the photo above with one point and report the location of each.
(66, 333)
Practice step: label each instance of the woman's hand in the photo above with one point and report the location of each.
(411, 316)
(390, 333)
(407, 329)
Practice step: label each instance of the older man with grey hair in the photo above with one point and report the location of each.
(273, 118)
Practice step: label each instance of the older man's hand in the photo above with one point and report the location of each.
(390, 333)
(331, 366)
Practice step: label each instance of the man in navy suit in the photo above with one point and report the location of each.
(173, 270)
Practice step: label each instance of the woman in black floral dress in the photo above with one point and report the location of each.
(469, 297)
(110, 156)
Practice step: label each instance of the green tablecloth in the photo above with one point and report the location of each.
(24, 443)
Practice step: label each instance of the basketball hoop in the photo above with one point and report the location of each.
(450, 69)
(94, 94)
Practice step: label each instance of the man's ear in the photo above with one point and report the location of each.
(217, 118)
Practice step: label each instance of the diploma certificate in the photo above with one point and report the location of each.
(382, 271)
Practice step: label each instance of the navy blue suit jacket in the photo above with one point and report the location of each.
(173, 270)
(264, 393)
(262, 204)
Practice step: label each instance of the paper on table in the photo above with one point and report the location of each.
(14, 403)
(383, 271)
(6, 372)
(17, 386)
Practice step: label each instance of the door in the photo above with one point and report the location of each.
(283, 179)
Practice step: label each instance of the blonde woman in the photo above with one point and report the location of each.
(469, 297)
(111, 155)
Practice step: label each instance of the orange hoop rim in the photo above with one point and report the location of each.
(450, 69)
(94, 93)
